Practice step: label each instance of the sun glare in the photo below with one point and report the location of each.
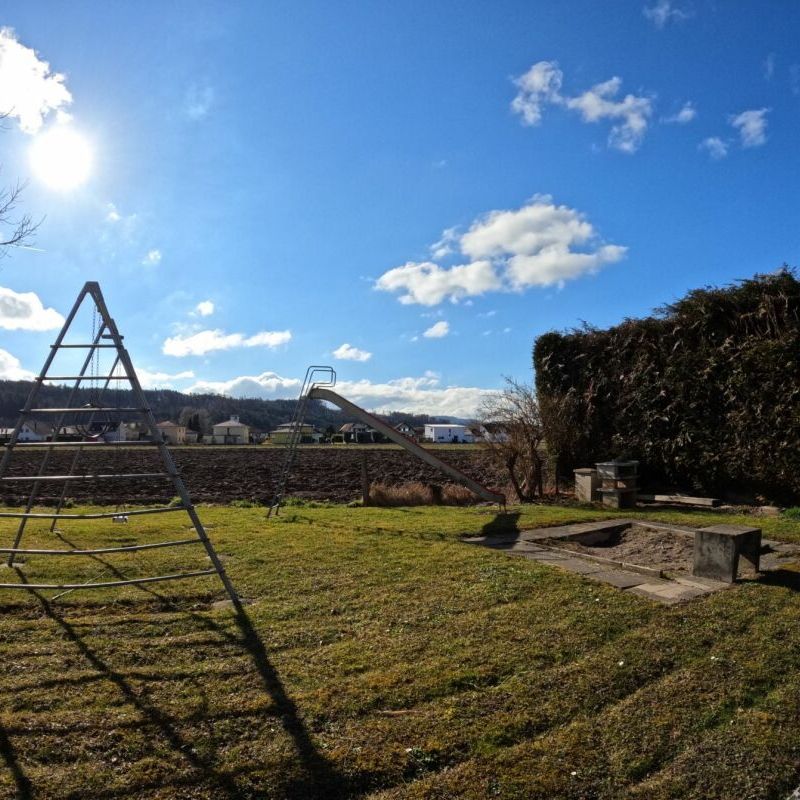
(61, 158)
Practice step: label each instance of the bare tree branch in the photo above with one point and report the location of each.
(14, 231)
(513, 436)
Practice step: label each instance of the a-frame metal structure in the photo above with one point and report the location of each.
(105, 336)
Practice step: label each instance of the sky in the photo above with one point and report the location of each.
(411, 192)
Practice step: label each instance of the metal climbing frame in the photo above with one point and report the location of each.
(107, 330)
(323, 390)
(296, 427)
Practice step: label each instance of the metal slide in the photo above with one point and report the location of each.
(321, 393)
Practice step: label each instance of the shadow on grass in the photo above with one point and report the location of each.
(318, 779)
(21, 780)
(785, 578)
(504, 524)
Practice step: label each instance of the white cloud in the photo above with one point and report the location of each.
(112, 215)
(752, 126)
(208, 341)
(11, 369)
(438, 330)
(199, 100)
(541, 86)
(152, 259)
(161, 380)
(715, 147)
(29, 91)
(205, 308)
(540, 244)
(445, 244)
(414, 395)
(555, 264)
(347, 352)
(662, 12)
(428, 284)
(769, 66)
(632, 113)
(23, 311)
(267, 386)
(687, 113)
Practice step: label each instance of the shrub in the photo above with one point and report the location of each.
(416, 493)
(706, 393)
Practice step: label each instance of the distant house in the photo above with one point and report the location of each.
(490, 432)
(283, 434)
(231, 431)
(172, 433)
(448, 433)
(31, 431)
(191, 436)
(358, 432)
(407, 430)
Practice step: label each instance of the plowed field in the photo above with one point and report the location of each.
(219, 475)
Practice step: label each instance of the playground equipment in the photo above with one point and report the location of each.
(96, 420)
(314, 389)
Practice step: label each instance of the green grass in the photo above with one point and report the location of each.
(383, 658)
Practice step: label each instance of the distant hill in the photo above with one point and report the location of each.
(263, 415)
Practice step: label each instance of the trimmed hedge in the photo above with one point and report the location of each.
(705, 393)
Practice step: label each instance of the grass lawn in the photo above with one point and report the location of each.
(383, 658)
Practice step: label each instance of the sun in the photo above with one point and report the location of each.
(61, 157)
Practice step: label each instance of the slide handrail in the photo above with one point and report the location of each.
(321, 393)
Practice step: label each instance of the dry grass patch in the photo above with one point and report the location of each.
(416, 493)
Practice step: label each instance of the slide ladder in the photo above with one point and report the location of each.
(315, 376)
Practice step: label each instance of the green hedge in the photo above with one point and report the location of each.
(705, 393)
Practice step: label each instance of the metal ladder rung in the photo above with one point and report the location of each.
(84, 378)
(125, 475)
(99, 515)
(32, 587)
(78, 443)
(97, 550)
(85, 410)
(59, 346)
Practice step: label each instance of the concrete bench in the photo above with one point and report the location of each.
(717, 551)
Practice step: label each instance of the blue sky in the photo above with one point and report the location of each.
(279, 184)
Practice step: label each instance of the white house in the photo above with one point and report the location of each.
(447, 433)
(231, 431)
(30, 431)
(406, 430)
(494, 432)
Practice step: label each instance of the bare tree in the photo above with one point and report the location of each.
(14, 232)
(514, 436)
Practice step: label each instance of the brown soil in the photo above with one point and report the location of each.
(646, 547)
(219, 475)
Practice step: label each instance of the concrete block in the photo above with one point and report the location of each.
(719, 548)
(586, 485)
